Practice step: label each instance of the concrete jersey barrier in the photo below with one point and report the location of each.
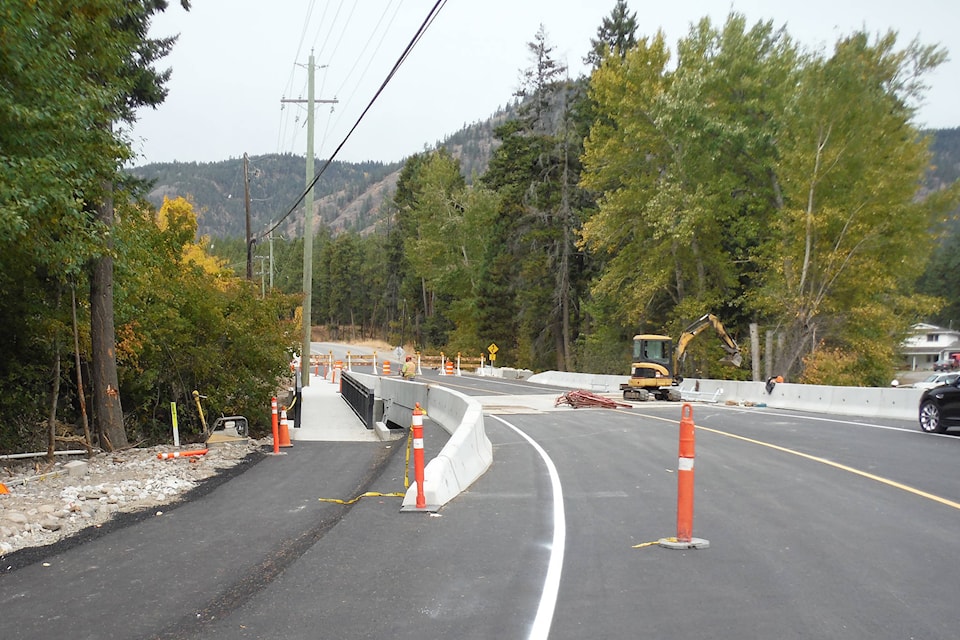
(879, 402)
(467, 454)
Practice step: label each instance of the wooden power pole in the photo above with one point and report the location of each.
(308, 227)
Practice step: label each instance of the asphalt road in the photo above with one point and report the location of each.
(818, 526)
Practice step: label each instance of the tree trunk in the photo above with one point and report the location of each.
(54, 393)
(76, 354)
(108, 413)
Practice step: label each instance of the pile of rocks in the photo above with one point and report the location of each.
(43, 505)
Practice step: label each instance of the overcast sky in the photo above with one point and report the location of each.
(236, 59)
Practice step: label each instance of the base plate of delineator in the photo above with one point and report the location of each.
(693, 543)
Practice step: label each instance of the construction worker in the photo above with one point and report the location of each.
(409, 369)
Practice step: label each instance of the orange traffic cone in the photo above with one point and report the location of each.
(3, 488)
(284, 429)
(182, 454)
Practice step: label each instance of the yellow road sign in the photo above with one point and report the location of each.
(493, 348)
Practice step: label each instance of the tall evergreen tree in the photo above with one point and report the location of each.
(536, 171)
(616, 35)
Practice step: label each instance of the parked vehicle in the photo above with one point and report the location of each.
(940, 408)
(948, 364)
(935, 380)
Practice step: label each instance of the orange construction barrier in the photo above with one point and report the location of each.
(182, 454)
(449, 367)
(386, 367)
(284, 430)
(685, 475)
(275, 423)
(685, 539)
(417, 428)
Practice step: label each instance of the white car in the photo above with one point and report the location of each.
(936, 380)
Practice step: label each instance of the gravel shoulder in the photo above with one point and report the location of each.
(48, 508)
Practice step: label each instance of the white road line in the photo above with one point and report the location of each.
(551, 584)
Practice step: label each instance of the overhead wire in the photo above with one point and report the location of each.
(365, 49)
(288, 89)
(333, 23)
(357, 59)
(431, 16)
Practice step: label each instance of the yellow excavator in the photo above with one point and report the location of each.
(656, 363)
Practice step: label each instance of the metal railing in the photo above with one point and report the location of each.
(359, 397)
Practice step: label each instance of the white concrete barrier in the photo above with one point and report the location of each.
(595, 382)
(467, 454)
(877, 402)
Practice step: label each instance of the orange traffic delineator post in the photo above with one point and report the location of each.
(685, 539)
(182, 454)
(417, 428)
(284, 429)
(386, 367)
(275, 423)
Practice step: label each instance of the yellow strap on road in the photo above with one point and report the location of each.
(650, 544)
(368, 494)
(373, 494)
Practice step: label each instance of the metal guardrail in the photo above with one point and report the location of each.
(359, 397)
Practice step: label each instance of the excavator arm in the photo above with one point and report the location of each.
(729, 345)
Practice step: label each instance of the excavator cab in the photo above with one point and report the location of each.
(652, 356)
(652, 369)
(655, 348)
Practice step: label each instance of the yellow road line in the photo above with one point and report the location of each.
(829, 463)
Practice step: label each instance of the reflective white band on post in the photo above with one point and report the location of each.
(685, 464)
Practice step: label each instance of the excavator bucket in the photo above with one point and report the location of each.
(734, 360)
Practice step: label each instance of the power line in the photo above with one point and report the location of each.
(370, 59)
(434, 11)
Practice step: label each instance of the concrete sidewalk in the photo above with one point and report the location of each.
(326, 417)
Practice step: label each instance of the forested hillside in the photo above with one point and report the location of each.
(347, 197)
(945, 169)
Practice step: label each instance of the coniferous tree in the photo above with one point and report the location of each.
(616, 35)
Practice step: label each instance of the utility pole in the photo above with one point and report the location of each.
(263, 275)
(246, 200)
(271, 260)
(308, 228)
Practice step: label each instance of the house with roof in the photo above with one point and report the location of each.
(928, 343)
